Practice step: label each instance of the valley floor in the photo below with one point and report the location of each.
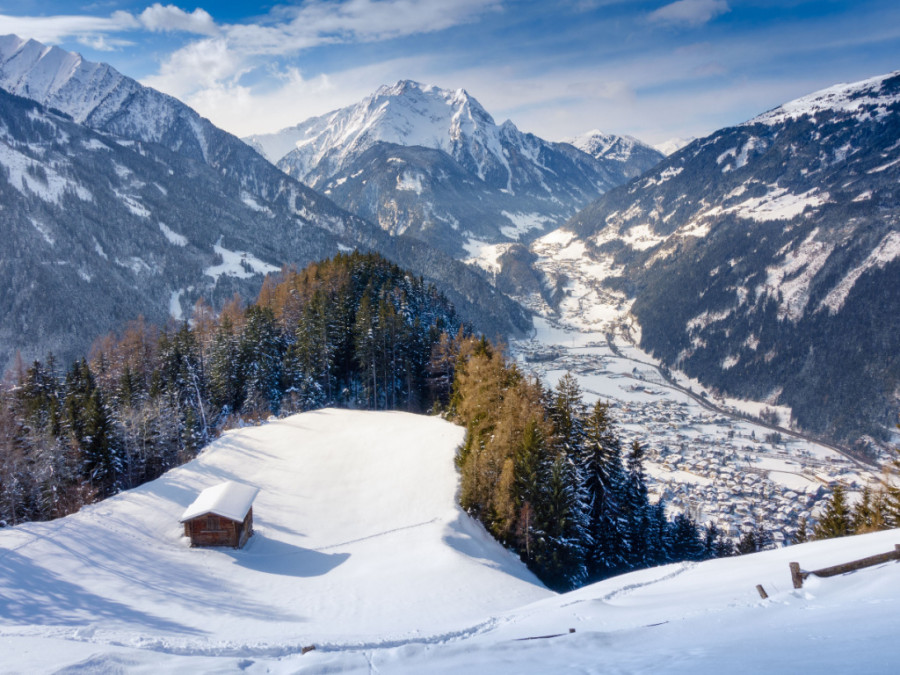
(708, 456)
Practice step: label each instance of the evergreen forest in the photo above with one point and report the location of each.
(549, 477)
(353, 331)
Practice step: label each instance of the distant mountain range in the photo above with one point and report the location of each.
(120, 200)
(431, 163)
(763, 259)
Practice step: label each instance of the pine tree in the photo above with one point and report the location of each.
(868, 514)
(636, 508)
(87, 421)
(261, 351)
(686, 543)
(801, 536)
(658, 542)
(567, 412)
(560, 558)
(755, 540)
(715, 544)
(365, 343)
(225, 384)
(599, 463)
(529, 460)
(836, 520)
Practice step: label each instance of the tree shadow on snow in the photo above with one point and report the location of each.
(31, 594)
(469, 538)
(272, 556)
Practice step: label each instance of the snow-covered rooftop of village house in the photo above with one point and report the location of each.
(229, 499)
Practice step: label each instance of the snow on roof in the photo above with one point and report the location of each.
(229, 499)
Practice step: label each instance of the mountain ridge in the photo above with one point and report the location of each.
(762, 258)
(474, 181)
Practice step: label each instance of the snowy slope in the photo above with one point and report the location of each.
(863, 100)
(407, 113)
(674, 144)
(358, 539)
(361, 550)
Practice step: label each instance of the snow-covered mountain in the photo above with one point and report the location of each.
(361, 551)
(99, 97)
(98, 229)
(432, 163)
(635, 156)
(123, 201)
(763, 259)
(672, 145)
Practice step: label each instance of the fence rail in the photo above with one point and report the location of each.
(798, 575)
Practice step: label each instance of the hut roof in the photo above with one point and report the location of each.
(229, 499)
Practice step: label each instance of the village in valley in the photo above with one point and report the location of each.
(714, 459)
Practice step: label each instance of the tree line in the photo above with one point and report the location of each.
(876, 510)
(353, 331)
(550, 477)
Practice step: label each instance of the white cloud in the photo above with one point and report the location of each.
(103, 43)
(171, 18)
(54, 29)
(202, 64)
(204, 69)
(368, 20)
(689, 12)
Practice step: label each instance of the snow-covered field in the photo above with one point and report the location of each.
(361, 550)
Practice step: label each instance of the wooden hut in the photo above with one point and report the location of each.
(221, 515)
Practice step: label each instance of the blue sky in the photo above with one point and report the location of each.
(652, 69)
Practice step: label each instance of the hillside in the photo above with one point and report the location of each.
(361, 550)
(99, 229)
(358, 539)
(762, 259)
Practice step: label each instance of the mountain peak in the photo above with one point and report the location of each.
(623, 149)
(407, 113)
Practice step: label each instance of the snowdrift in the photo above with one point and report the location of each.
(361, 550)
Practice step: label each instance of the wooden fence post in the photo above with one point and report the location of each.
(762, 591)
(796, 575)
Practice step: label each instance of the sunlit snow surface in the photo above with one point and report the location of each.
(361, 550)
(863, 98)
(359, 540)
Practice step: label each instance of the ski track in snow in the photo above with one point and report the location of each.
(375, 536)
(630, 588)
